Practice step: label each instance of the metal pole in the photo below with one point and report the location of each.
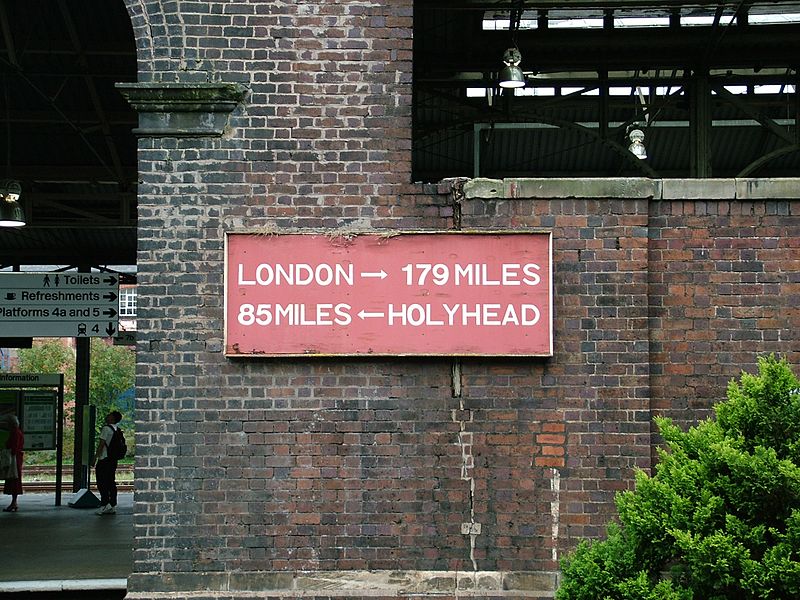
(59, 439)
(80, 474)
(700, 126)
(476, 148)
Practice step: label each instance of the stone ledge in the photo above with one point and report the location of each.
(694, 189)
(182, 109)
(350, 584)
(766, 189)
(612, 188)
(557, 187)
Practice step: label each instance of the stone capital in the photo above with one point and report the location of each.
(182, 109)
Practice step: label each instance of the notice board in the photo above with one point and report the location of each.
(39, 414)
(409, 294)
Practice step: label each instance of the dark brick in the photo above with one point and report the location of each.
(264, 467)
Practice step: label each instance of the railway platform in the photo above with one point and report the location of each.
(56, 549)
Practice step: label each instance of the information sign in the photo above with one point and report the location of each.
(465, 294)
(125, 338)
(65, 304)
(39, 419)
(30, 379)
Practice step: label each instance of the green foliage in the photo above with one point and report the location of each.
(720, 518)
(49, 357)
(763, 411)
(611, 569)
(112, 372)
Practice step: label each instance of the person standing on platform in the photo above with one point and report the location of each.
(106, 465)
(15, 443)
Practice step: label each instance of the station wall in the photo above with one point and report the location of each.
(364, 477)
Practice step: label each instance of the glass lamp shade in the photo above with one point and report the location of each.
(512, 77)
(11, 214)
(637, 144)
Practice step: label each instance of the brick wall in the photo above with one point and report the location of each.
(360, 475)
(591, 399)
(724, 286)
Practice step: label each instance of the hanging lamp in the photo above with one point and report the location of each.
(512, 76)
(11, 213)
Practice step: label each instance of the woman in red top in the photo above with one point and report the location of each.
(13, 487)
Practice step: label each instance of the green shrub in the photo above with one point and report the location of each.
(720, 519)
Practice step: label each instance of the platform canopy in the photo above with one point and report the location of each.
(66, 135)
(711, 86)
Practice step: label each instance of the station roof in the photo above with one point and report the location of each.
(67, 131)
(712, 86)
(591, 73)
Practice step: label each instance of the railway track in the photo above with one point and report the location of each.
(42, 479)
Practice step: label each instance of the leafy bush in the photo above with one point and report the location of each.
(112, 374)
(720, 519)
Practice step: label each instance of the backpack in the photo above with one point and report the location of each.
(117, 448)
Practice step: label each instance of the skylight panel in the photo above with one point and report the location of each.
(641, 22)
(773, 89)
(576, 23)
(773, 19)
(638, 19)
(535, 91)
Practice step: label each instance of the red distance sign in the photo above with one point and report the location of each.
(411, 294)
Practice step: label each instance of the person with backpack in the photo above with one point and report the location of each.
(110, 449)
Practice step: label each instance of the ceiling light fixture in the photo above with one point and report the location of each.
(512, 76)
(636, 136)
(11, 213)
(635, 130)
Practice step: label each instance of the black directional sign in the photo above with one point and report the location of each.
(59, 304)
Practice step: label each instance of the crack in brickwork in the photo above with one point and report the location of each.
(555, 510)
(463, 416)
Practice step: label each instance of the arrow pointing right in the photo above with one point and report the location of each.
(110, 312)
(380, 274)
(111, 296)
(110, 280)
